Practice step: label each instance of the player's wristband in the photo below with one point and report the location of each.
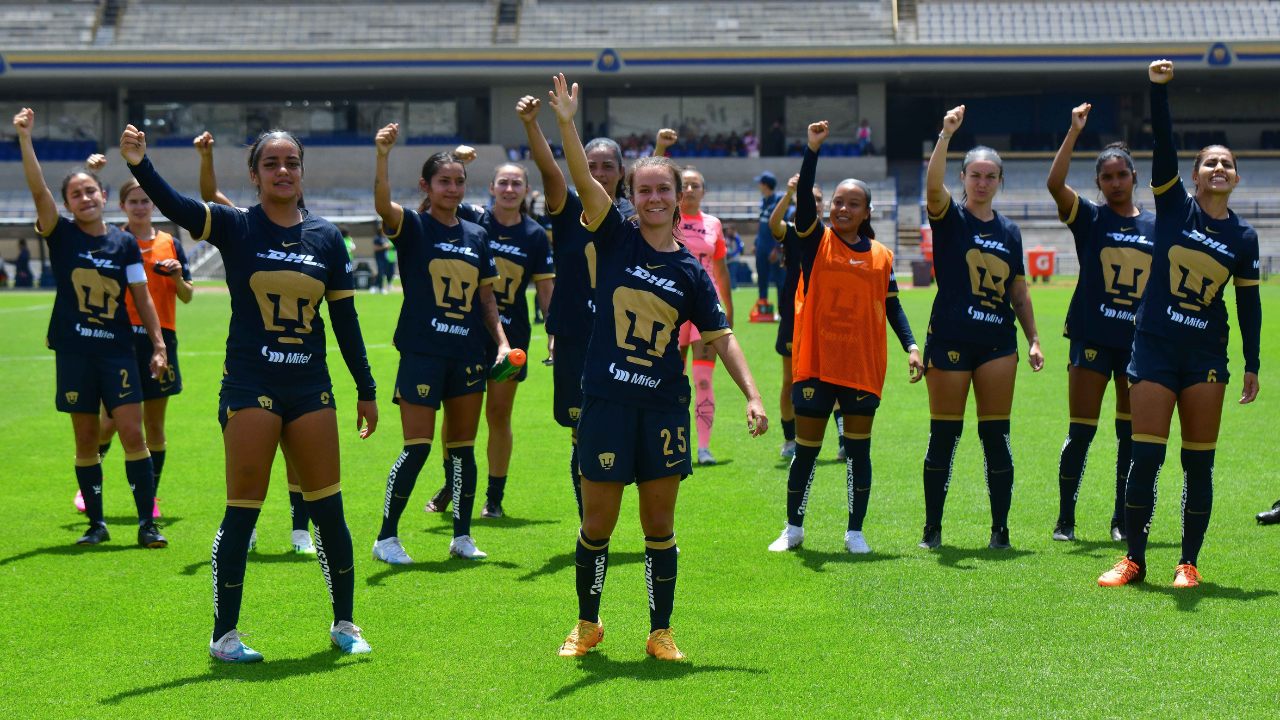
(943, 137)
(912, 348)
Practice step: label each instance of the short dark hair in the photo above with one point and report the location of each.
(432, 167)
(66, 180)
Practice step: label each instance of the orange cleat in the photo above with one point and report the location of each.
(1186, 576)
(1126, 571)
(585, 636)
(663, 646)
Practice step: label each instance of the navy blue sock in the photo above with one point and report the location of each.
(800, 479)
(103, 448)
(944, 436)
(789, 430)
(462, 460)
(1197, 498)
(999, 463)
(142, 482)
(592, 560)
(1124, 455)
(575, 471)
(1071, 465)
(497, 489)
(89, 478)
(1140, 493)
(858, 478)
(157, 467)
(400, 482)
(660, 560)
(333, 550)
(298, 510)
(230, 554)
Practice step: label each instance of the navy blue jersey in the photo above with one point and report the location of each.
(278, 276)
(976, 264)
(791, 263)
(643, 297)
(93, 274)
(764, 236)
(441, 268)
(522, 254)
(1115, 265)
(1193, 258)
(572, 311)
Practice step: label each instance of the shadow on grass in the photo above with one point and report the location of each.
(1110, 547)
(953, 556)
(1189, 598)
(257, 558)
(817, 560)
(718, 463)
(557, 563)
(72, 549)
(129, 523)
(269, 671)
(600, 669)
(450, 565)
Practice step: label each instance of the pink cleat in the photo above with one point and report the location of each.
(79, 501)
(155, 509)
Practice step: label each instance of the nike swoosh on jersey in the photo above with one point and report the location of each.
(147, 249)
(473, 382)
(652, 267)
(857, 262)
(290, 244)
(677, 462)
(500, 237)
(985, 236)
(124, 394)
(1215, 232)
(1128, 229)
(863, 397)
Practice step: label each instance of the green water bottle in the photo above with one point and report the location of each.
(508, 367)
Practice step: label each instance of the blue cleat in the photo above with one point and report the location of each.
(229, 649)
(346, 637)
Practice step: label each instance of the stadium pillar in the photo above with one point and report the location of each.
(505, 128)
(871, 105)
(122, 112)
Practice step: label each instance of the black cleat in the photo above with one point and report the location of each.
(97, 533)
(1270, 517)
(439, 503)
(491, 510)
(932, 537)
(1063, 532)
(1000, 539)
(1117, 531)
(149, 536)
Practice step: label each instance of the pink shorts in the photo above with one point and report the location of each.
(688, 334)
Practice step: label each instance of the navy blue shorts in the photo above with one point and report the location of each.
(962, 356)
(491, 357)
(571, 359)
(1104, 360)
(290, 402)
(85, 380)
(786, 330)
(427, 379)
(816, 399)
(1174, 365)
(171, 382)
(626, 444)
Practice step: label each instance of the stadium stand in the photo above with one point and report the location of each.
(39, 24)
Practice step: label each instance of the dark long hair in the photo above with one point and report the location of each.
(629, 181)
(865, 228)
(612, 146)
(432, 167)
(255, 153)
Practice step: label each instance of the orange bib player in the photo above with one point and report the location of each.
(847, 292)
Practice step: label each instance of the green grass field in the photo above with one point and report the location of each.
(118, 631)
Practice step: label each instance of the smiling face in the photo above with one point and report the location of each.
(1215, 171)
(137, 206)
(849, 209)
(605, 168)
(654, 193)
(1116, 181)
(982, 180)
(447, 187)
(84, 198)
(278, 171)
(694, 191)
(510, 186)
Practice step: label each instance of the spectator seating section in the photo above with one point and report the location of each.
(40, 25)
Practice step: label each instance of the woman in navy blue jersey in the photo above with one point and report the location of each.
(634, 426)
(92, 335)
(282, 263)
(1180, 346)
(977, 257)
(572, 312)
(1113, 242)
(450, 311)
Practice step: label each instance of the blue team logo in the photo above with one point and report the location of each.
(1219, 55)
(608, 61)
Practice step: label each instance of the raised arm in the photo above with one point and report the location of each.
(1164, 160)
(666, 138)
(192, 215)
(778, 218)
(595, 199)
(391, 213)
(208, 178)
(806, 205)
(1062, 193)
(937, 197)
(46, 206)
(1020, 299)
(553, 186)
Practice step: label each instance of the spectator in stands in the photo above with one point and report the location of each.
(863, 139)
(777, 138)
(769, 197)
(796, 149)
(22, 273)
(751, 144)
(720, 146)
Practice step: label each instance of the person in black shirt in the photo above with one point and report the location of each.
(92, 335)
(22, 265)
(448, 274)
(1113, 242)
(784, 232)
(634, 426)
(281, 263)
(572, 312)
(1180, 346)
(971, 338)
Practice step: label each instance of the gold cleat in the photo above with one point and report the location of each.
(585, 636)
(663, 646)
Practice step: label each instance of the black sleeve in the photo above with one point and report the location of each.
(346, 329)
(1249, 314)
(898, 321)
(1164, 161)
(192, 215)
(806, 206)
(182, 259)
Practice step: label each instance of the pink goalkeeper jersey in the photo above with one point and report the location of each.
(704, 237)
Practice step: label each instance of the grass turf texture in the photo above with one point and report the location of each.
(118, 631)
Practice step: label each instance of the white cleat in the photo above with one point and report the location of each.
(253, 540)
(791, 538)
(302, 543)
(465, 548)
(346, 637)
(390, 551)
(705, 457)
(788, 449)
(855, 543)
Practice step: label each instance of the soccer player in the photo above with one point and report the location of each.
(573, 309)
(448, 275)
(635, 417)
(1180, 347)
(784, 232)
(847, 293)
(1113, 242)
(168, 277)
(91, 333)
(971, 340)
(282, 263)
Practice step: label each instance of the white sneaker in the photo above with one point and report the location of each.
(705, 457)
(346, 637)
(788, 449)
(855, 543)
(373, 290)
(390, 551)
(253, 540)
(791, 537)
(302, 543)
(465, 548)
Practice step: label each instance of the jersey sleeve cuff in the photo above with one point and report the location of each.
(208, 224)
(543, 276)
(1165, 187)
(1246, 282)
(808, 232)
(490, 280)
(332, 295)
(560, 208)
(940, 215)
(396, 234)
(47, 233)
(594, 224)
(1075, 208)
(713, 335)
(135, 274)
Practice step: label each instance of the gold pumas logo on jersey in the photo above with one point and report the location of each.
(1090, 354)
(808, 393)
(265, 402)
(424, 390)
(324, 398)
(953, 356)
(606, 460)
(574, 413)
(72, 397)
